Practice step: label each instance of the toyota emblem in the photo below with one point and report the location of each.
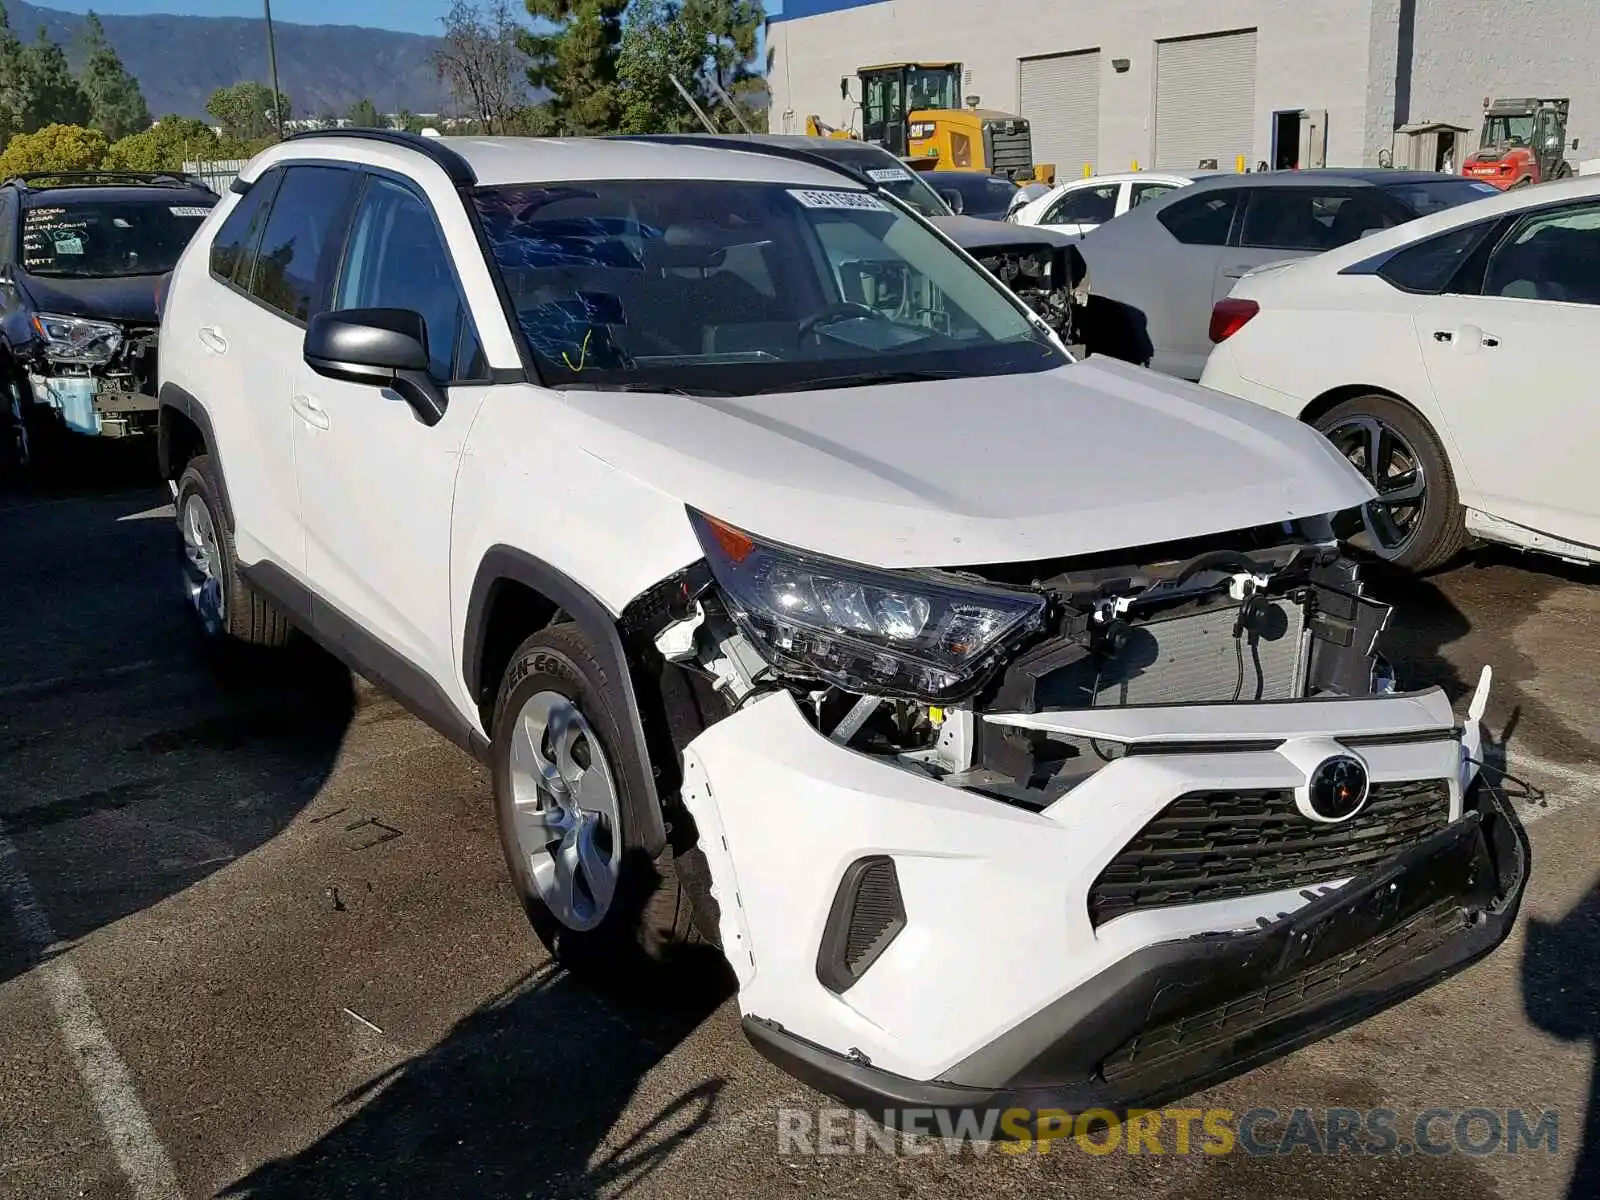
(1337, 790)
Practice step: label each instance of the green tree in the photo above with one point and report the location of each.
(54, 148)
(364, 114)
(52, 95)
(116, 104)
(576, 61)
(479, 58)
(660, 43)
(13, 89)
(733, 28)
(165, 146)
(245, 110)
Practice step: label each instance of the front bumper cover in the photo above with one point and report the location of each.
(1179, 1016)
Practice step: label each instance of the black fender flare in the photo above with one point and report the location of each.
(502, 564)
(174, 398)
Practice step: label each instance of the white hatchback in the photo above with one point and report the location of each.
(1083, 204)
(1448, 359)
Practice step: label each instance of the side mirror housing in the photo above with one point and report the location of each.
(953, 198)
(844, 87)
(377, 347)
(1574, 143)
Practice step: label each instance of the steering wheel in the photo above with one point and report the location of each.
(849, 310)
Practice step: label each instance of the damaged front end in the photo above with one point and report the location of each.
(1042, 268)
(98, 376)
(1089, 832)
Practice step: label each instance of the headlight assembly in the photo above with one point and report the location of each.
(75, 340)
(919, 635)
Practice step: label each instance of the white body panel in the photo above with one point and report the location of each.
(1036, 210)
(794, 810)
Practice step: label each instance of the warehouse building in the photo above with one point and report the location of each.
(1174, 83)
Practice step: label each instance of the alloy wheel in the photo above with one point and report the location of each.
(565, 810)
(202, 565)
(1391, 464)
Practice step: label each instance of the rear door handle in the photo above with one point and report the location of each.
(211, 338)
(311, 412)
(1443, 335)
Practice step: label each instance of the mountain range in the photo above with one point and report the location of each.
(180, 61)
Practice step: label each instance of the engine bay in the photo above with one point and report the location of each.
(1270, 614)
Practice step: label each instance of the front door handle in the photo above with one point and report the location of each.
(311, 412)
(211, 338)
(1443, 335)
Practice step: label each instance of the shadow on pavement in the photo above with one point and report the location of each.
(132, 764)
(1559, 992)
(525, 1097)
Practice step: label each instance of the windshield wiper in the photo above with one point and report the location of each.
(659, 389)
(861, 379)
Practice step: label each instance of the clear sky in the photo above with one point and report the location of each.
(413, 16)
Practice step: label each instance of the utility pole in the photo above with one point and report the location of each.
(272, 64)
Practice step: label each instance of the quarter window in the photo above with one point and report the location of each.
(1085, 206)
(1553, 255)
(307, 219)
(1202, 220)
(233, 250)
(1429, 267)
(397, 259)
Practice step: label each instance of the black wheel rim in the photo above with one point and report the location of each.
(1388, 461)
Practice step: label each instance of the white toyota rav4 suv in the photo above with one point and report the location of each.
(1014, 725)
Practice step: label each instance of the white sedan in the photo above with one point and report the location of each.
(1452, 360)
(1079, 206)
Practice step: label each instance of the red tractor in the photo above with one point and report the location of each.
(1523, 141)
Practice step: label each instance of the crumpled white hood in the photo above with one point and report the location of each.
(1094, 456)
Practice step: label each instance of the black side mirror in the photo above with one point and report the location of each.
(844, 87)
(1574, 143)
(379, 347)
(953, 198)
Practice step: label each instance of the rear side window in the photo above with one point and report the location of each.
(1143, 193)
(1202, 220)
(234, 248)
(1428, 267)
(307, 222)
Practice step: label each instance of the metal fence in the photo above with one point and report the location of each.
(219, 174)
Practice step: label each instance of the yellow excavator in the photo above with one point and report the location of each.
(915, 111)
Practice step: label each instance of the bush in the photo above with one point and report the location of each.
(54, 148)
(164, 147)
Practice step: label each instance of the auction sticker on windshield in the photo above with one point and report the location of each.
(854, 200)
(887, 175)
(189, 212)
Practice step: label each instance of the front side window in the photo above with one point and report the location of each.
(1145, 192)
(740, 288)
(92, 238)
(396, 258)
(1085, 206)
(308, 217)
(1549, 256)
(1202, 220)
(1301, 218)
(934, 89)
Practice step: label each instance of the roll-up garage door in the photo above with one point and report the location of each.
(1060, 96)
(1205, 100)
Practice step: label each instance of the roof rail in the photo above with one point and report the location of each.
(111, 179)
(747, 143)
(457, 168)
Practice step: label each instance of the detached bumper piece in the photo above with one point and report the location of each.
(1179, 1016)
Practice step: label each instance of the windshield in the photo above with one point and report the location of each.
(981, 195)
(107, 238)
(1507, 131)
(892, 176)
(739, 288)
(1436, 195)
(933, 88)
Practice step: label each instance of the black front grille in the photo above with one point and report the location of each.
(1219, 845)
(1321, 984)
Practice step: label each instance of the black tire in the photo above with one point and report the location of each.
(659, 907)
(1439, 532)
(1563, 171)
(248, 618)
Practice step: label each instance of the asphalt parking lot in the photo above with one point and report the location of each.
(256, 940)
